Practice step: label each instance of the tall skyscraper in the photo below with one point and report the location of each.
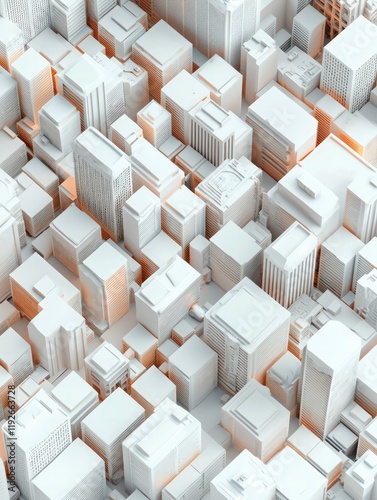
(283, 132)
(337, 262)
(103, 180)
(163, 52)
(160, 448)
(42, 432)
(300, 197)
(360, 211)
(249, 331)
(328, 377)
(96, 9)
(366, 298)
(10, 250)
(106, 441)
(11, 43)
(231, 193)
(141, 220)
(308, 33)
(59, 336)
(213, 26)
(218, 134)
(105, 287)
(33, 74)
(179, 97)
(69, 19)
(183, 216)
(31, 16)
(289, 265)
(259, 63)
(350, 75)
(166, 297)
(95, 88)
(83, 477)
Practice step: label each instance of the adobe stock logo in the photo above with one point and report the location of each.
(362, 38)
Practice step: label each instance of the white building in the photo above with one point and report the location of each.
(366, 261)
(13, 153)
(120, 28)
(152, 388)
(15, 356)
(223, 82)
(163, 52)
(95, 89)
(134, 79)
(152, 169)
(59, 123)
(289, 265)
(105, 286)
(295, 477)
(256, 421)
(106, 370)
(259, 60)
(179, 97)
(68, 17)
(193, 369)
(76, 398)
(76, 471)
(328, 377)
(106, 440)
(350, 75)
(11, 203)
(10, 251)
(58, 336)
(366, 298)
(166, 297)
(96, 9)
(103, 180)
(283, 381)
(33, 75)
(11, 43)
(74, 236)
(360, 212)
(244, 477)
(298, 72)
(366, 389)
(31, 16)
(231, 192)
(158, 252)
(124, 132)
(326, 111)
(155, 122)
(218, 134)
(160, 448)
(299, 196)
(360, 478)
(183, 216)
(34, 279)
(196, 479)
(339, 15)
(9, 101)
(283, 133)
(337, 262)
(308, 32)
(42, 432)
(141, 220)
(249, 331)
(234, 255)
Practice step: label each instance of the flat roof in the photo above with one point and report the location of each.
(30, 63)
(185, 91)
(280, 113)
(77, 461)
(121, 409)
(162, 42)
(74, 224)
(348, 48)
(97, 145)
